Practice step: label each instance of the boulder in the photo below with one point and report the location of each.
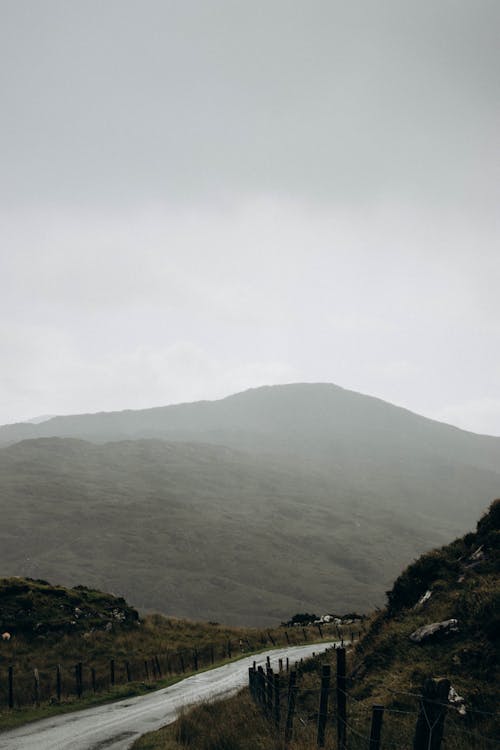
(433, 629)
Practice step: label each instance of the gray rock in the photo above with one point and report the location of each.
(433, 629)
(477, 555)
(457, 701)
(423, 599)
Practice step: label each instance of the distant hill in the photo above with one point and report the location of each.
(307, 417)
(245, 510)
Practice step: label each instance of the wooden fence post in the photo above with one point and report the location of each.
(251, 684)
(94, 681)
(78, 679)
(430, 721)
(304, 634)
(341, 699)
(195, 660)
(270, 688)
(127, 670)
(323, 705)
(112, 672)
(229, 652)
(183, 667)
(158, 667)
(58, 683)
(11, 687)
(376, 727)
(320, 631)
(146, 669)
(262, 687)
(287, 637)
(292, 697)
(36, 686)
(212, 654)
(277, 706)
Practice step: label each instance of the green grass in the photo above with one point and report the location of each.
(214, 726)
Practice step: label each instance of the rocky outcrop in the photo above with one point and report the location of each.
(434, 629)
(35, 608)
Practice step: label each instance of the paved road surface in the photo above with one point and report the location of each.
(115, 726)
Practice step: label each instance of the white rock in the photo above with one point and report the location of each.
(434, 628)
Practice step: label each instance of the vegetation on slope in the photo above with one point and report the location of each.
(464, 581)
(34, 608)
(156, 522)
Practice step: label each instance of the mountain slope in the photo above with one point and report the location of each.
(189, 529)
(210, 532)
(272, 501)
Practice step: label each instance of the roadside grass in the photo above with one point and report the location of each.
(221, 725)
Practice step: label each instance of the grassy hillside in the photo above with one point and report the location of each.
(388, 668)
(33, 609)
(211, 532)
(463, 579)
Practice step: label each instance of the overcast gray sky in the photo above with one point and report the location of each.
(200, 197)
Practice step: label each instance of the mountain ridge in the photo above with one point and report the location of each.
(43, 429)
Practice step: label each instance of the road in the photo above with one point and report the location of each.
(116, 726)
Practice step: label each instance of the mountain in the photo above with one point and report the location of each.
(301, 414)
(40, 419)
(244, 510)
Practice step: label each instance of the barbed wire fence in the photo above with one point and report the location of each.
(329, 715)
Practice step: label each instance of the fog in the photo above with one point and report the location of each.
(197, 198)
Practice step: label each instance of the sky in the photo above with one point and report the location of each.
(203, 196)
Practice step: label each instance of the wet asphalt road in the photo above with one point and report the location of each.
(115, 726)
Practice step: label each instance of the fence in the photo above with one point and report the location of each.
(329, 714)
(21, 687)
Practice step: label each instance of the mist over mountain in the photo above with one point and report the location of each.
(275, 500)
(302, 414)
